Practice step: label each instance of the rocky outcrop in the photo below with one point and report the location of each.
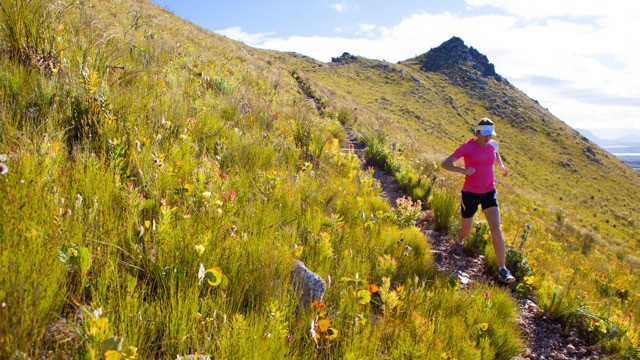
(345, 58)
(453, 56)
(467, 68)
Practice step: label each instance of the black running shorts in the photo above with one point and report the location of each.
(470, 202)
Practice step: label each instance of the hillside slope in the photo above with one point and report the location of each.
(567, 201)
(434, 108)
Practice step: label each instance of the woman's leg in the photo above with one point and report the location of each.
(464, 229)
(493, 218)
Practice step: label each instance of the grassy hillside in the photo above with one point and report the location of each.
(429, 113)
(569, 202)
(161, 180)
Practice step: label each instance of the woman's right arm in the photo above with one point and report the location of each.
(447, 164)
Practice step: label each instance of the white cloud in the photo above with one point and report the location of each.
(366, 29)
(553, 8)
(236, 33)
(583, 71)
(339, 7)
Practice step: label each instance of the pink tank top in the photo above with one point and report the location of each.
(481, 159)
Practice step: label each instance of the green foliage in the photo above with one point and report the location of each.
(561, 217)
(480, 236)
(558, 304)
(610, 288)
(345, 117)
(516, 261)
(376, 155)
(587, 241)
(303, 134)
(419, 187)
(375, 152)
(27, 30)
(413, 258)
(515, 257)
(444, 205)
(222, 86)
(77, 259)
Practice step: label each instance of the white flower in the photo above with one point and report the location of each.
(97, 312)
(201, 272)
(3, 157)
(3, 169)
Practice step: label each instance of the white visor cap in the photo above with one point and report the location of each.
(487, 130)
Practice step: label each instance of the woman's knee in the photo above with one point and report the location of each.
(496, 230)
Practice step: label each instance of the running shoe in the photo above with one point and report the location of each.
(457, 250)
(505, 276)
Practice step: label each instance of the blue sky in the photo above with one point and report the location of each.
(578, 58)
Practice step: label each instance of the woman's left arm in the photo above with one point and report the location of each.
(504, 169)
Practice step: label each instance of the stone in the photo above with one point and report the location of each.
(194, 357)
(310, 284)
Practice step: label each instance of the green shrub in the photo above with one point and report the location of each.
(480, 236)
(375, 152)
(587, 241)
(412, 254)
(556, 304)
(422, 190)
(376, 155)
(345, 117)
(515, 257)
(222, 86)
(516, 262)
(444, 205)
(302, 134)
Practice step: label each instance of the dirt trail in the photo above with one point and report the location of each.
(545, 338)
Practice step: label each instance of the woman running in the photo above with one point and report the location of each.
(480, 154)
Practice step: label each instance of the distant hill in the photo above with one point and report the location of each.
(630, 139)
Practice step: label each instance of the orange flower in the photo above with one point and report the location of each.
(373, 288)
(318, 305)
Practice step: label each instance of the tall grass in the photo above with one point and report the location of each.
(27, 30)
